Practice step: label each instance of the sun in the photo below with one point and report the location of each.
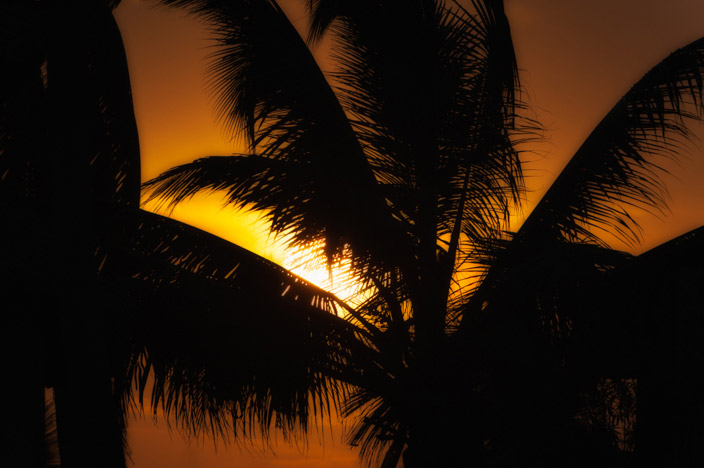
(309, 262)
(250, 230)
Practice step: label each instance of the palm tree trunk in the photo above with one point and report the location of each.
(88, 416)
(435, 443)
(88, 422)
(22, 426)
(442, 432)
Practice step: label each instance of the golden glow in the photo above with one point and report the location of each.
(310, 263)
(247, 229)
(241, 227)
(575, 61)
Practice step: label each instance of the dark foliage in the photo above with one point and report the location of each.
(474, 345)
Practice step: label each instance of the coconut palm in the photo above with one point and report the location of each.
(90, 280)
(474, 345)
(537, 364)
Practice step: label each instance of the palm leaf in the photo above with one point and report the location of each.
(454, 125)
(446, 158)
(270, 88)
(614, 170)
(220, 364)
(618, 165)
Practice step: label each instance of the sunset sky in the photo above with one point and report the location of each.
(576, 58)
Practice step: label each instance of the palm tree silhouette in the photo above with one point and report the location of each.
(67, 142)
(102, 294)
(404, 159)
(409, 167)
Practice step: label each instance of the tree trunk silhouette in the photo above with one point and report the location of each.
(22, 427)
(87, 415)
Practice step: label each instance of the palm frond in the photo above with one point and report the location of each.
(619, 165)
(220, 365)
(461, 123)
(271, 88)
(614, 170)
(324, 12)
(596, 325)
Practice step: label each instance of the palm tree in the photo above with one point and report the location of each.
(531, 369)
(404, 159)
(86, 276)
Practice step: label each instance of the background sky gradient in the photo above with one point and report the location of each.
(576, 59)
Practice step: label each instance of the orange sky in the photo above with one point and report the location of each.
(577, 58)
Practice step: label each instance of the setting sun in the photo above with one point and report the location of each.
(249, 230)
(310, 263)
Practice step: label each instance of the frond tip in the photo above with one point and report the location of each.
(618, 167)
